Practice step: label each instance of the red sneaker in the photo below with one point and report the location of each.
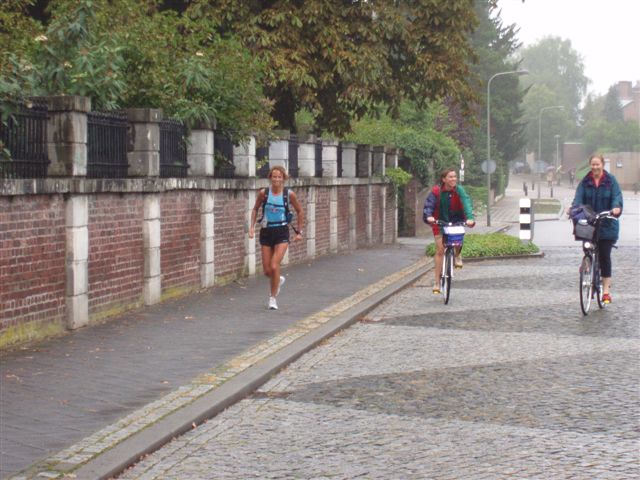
(606, 298)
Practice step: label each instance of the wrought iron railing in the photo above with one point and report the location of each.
(262, 162)
(318, 156)
(173, 149)
(293, 156)
(223, 156)
(107, 145)
(23, 143)
(339, 157)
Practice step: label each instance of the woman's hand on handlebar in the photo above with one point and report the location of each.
(616, 211)
(431, 219)
(471, 223)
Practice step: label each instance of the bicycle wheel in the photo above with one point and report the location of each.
(586, 284)
(597, 282)
(447, 269)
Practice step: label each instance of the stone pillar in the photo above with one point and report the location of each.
(67, 135)
(378, 162)
(144, 142)
(207, 246)
(369, 214)
(279, 150)
(306, 156)
(391, 158)
(348, 159)
(77, 261)
(333, 219)
(250, 243)
(151, 244)
(364, 160)
(200, 151)
(329, 158)
(311, 223)
(244, 158)
(353, 239)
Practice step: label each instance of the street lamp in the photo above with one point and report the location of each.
(516, 72)
(561, 107)
(557, 151)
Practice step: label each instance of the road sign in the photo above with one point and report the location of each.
(488, 166)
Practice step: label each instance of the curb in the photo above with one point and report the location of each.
(504, 257)
(114, 460)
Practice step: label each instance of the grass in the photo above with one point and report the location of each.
(491, 245)
(546, 206)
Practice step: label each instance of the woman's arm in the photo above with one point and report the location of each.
(616, 199)
(429, 207)
(467, 204)
(299, 214)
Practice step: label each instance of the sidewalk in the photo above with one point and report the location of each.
(81, 395)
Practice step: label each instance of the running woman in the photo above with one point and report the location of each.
(274, 234)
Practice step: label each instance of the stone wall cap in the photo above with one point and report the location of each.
(348, 145)
(307, 138)
(364, 146)
(330, 142)
(379, 149)
(68, 103)
(144, 115)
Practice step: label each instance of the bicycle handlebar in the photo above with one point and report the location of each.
(442, 223)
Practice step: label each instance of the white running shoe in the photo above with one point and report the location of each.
(273, 305)
(282, 280)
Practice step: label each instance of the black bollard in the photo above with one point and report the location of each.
(526, 190)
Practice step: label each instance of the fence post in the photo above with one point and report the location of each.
(306, 155)
(144, 142)
(67, 135)
(200, 150)
(391, 158)
(378, 162)
(279, 150)
(526, 219)
(348, 159)
(244, 158)
(207, 244)
(329, 158)
(77, 261)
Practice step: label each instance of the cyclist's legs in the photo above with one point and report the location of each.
(604, 257)
(437, 270)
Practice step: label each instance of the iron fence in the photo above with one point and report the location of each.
(262, 154)
(23, 143)
(173, 149)
(339, 154)
(293, 156)
(223, 156)
(318, 158)
(107, 145)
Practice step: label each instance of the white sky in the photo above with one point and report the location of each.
(606, 33)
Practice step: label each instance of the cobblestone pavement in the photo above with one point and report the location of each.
(507, 381)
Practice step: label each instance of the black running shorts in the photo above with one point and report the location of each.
(272, 236)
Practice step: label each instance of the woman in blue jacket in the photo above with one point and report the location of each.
(601, 191)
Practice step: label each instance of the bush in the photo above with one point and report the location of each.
(478, 196)
(491, 245)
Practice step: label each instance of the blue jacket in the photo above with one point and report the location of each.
(605, 196)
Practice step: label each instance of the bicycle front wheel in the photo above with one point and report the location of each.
(447, 275)
(586, 284)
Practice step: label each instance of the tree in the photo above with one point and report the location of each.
(495, 45)
(612, 109)
(554, 63)
(342, 59)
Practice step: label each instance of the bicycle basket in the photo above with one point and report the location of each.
(583, 231)
(453, 235)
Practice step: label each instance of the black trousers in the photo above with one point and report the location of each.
(604, 256)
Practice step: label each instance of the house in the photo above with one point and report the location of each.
(629, 95)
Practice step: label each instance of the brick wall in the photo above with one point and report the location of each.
(115, 253)
(298, 250)
(376, 214)
(343, 218)
(390, 204)
(323, 223)
(229, 228)
(362, 202)
(180, 237)
(32, 261)
(33, 241)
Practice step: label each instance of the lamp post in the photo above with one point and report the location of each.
(557, 151)
(561, 107)
(516, 72)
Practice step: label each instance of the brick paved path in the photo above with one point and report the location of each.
(508, 381)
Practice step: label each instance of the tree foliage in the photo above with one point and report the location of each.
(554, 63)
(342, 59)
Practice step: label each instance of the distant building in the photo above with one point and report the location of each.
(573, 154)
(629, 99)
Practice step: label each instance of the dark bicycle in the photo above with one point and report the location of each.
(452, 237)
(588, 231)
